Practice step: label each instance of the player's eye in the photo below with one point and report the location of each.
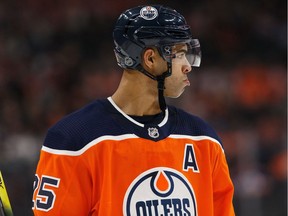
(180, 55)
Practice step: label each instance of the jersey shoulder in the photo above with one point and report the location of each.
(77, 129)
(192, 125)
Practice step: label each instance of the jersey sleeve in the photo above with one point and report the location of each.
(62, 184)
(222, 186)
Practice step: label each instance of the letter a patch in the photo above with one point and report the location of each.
(189, 160)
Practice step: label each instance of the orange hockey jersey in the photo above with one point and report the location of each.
(99, 161)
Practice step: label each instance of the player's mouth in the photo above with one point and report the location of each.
(187, 82)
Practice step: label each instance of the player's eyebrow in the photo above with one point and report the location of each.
(182, 50)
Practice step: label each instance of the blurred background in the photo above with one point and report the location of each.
(56, 56)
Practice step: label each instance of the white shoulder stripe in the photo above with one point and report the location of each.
(118, 138)
(197, 138)
(89, 145)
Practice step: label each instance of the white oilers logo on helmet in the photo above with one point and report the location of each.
(148, 13)
(160, 191)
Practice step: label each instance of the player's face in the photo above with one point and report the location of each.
(176, 83)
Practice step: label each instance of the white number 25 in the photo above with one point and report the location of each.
(45, 198)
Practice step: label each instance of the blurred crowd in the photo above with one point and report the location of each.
(56, 56)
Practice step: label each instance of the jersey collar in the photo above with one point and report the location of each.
(162, 123)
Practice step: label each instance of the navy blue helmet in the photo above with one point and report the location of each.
(152, 26)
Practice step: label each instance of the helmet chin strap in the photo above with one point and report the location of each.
(161, 87)
(160, 83)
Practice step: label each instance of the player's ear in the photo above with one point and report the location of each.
(148, 58)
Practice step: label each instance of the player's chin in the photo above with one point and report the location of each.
(174, 94)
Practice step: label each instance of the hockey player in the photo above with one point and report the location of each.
(131, 154)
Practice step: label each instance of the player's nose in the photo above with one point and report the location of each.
(187, 67)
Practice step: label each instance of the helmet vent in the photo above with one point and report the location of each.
(177, 34)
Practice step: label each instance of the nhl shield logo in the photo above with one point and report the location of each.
(160, 191)
(153, 132)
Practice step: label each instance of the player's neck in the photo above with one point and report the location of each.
(137, 95)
